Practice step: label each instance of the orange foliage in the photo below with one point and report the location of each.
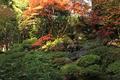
(40, 41)
(36, 6)
(33, 3)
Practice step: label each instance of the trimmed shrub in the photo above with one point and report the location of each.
(93, 69)
(72, 72)
(113, 71)
(114, 68)
(61, 61)
(88, 60)
(93, 72)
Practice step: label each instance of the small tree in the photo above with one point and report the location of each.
(51, 15)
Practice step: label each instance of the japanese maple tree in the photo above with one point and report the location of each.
(46, 7)
(106, 14)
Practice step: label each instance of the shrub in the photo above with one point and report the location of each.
(113, 71)
(88, 60)
(111, 55)
(38, 66)
(26, 44)
(16, 48)
(93, 72)
(61, 61)
(91, 44)
(71, 72)
(32, 65)
(93, 69)
(29, 41)
(108, 54)
(101, 50)
(114, 68)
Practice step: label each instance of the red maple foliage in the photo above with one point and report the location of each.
(42, 39)
(38, 7)
(105, 18)
(105, 31)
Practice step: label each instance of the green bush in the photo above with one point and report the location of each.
(61, 61)
(39, 67)
(88, 60)
(93, 69)
(72, 72)
(108, 54)
(100, 50)
(113, 71)
(93, 72)
(104, 50)
(16, 48)
(29, 41)
(33, 65)
(114, 67)
(112, 54)
(91, 44)
(27, 44)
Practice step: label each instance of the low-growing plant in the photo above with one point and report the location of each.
(113, 71)
(87, 60)
(32, 65)
(61, 61)
(114, 68)
(93, 72)
(72, 72)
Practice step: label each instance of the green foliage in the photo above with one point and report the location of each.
(91, 44)
(101, 63)
(72, 71)
(114, 68)
(34, 65)
(108, 54)
(4, 1)
(113, 54)
(99, 50)
(88, 60)
(53, 45)
(113, 71)
(19, 6)
(39, 66)
(16, 48)
(29, 41)
(61, 61)
(93, 70)
(9, 32)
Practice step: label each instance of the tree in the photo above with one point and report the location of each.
(51, 15)
(8, 27)
(106, 15)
